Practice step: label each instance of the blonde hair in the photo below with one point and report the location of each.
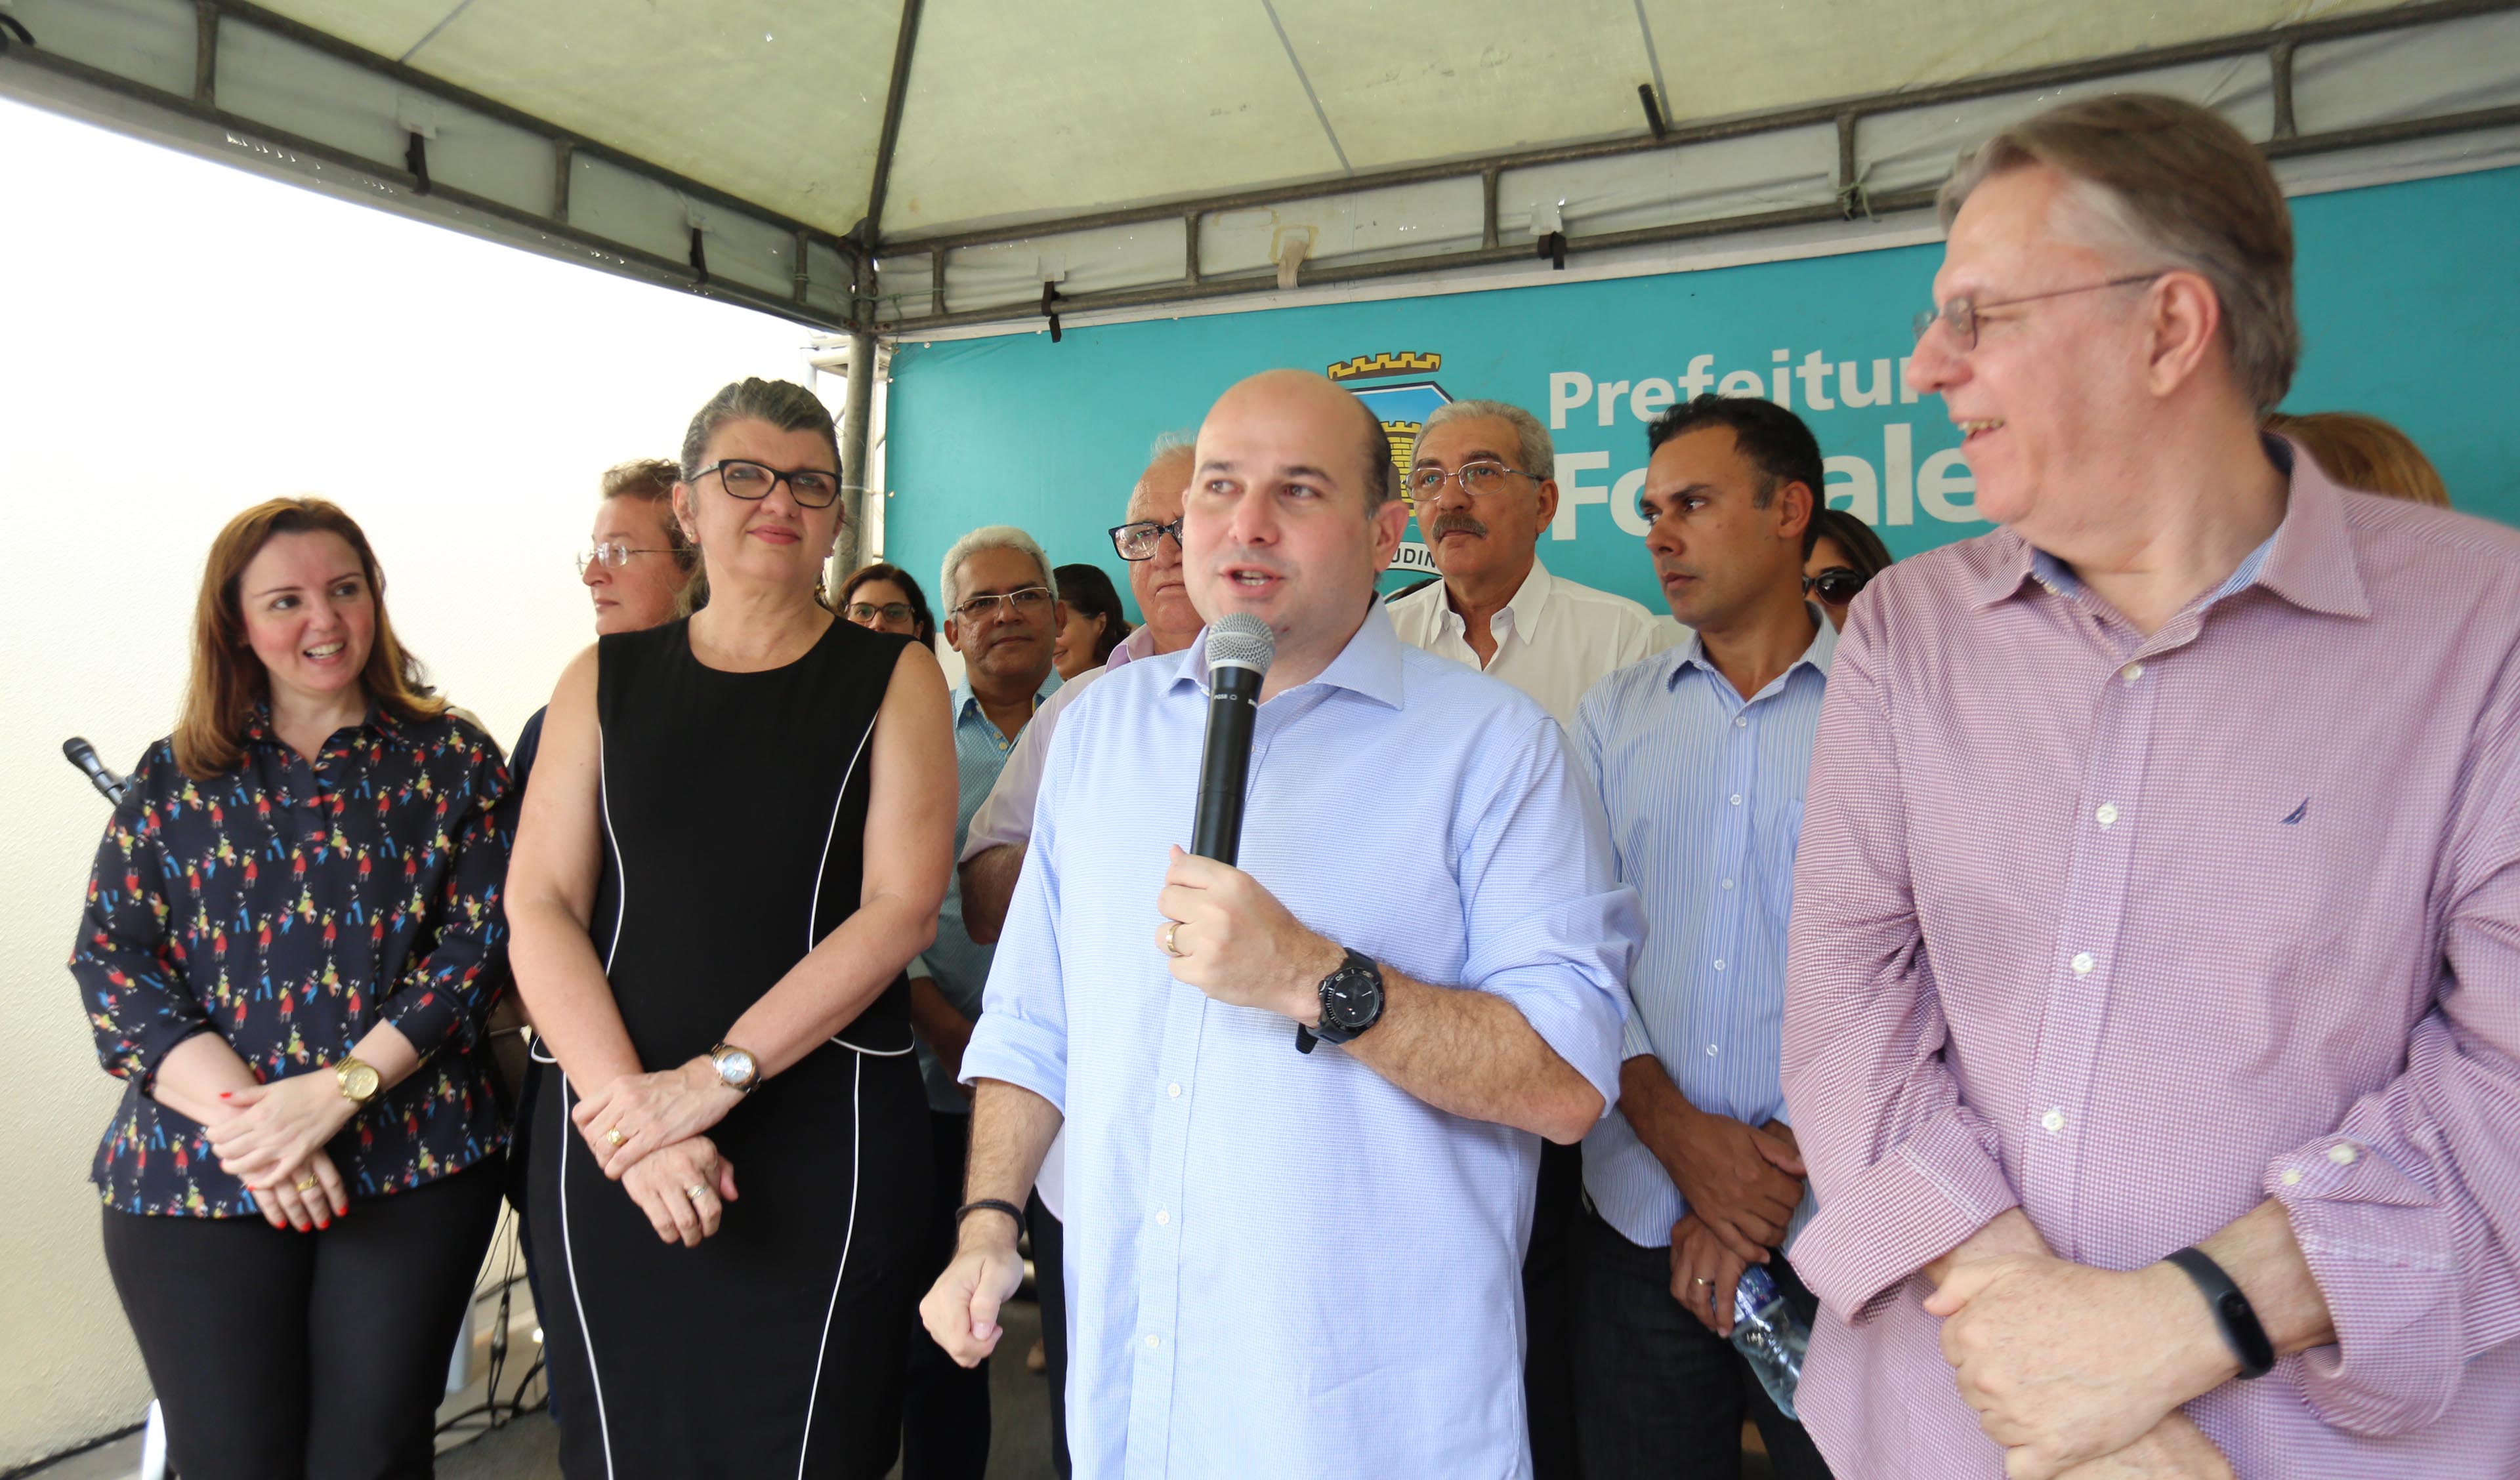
(2366, 453)
(650, 480)
(2166, 180)
(229, 681)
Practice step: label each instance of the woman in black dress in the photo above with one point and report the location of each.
(740, 832)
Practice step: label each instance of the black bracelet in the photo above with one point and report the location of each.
(992, 1205)
(2238, 1319)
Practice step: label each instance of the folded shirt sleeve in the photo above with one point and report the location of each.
(2408, 1213)
(449, 989)
(1902, 1170)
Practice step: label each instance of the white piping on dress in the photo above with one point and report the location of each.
(814, 905)
(569, 1251)
(857, 1148)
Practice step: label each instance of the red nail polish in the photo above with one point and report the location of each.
(224, 1093)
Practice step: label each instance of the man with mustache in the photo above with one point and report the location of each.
(1296, 1254)
(1484, 481)
(1698, 756)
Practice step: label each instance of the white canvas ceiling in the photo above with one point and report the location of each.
(734, 147)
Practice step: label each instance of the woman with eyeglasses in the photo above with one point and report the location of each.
(1845, 557)
(884, 597)
(737, 836)
(285, 955)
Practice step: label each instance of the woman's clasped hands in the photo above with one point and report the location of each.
(645, 1132)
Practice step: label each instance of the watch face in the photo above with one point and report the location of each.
(1351, 1001)
(735, 1067)
(361, 1082)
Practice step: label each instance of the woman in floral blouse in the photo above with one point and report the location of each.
(283, 954)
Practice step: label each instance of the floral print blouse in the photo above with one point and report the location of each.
(290, 906)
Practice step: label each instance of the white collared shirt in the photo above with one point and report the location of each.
(1553, 641)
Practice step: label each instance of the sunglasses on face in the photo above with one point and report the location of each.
(1837, 585)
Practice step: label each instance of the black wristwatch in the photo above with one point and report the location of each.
(1351, 1002)
(2232, 1313)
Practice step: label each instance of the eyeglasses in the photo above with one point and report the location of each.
(867, 612)
(1137, 541)
(1959, 317)
(745, 479)
(1477, 480)
(612, 557)
(1030, 601)
(1837, 585)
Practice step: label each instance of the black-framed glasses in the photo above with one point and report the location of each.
(867, 612)
(612, 557)
(1837, 585)
(1137, 541)
(745, 478)
(1477, 480)
(1029, 601)
(1959, 317)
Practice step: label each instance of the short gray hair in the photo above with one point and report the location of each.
(2163, 179)
(949, 579)
(1539, 454)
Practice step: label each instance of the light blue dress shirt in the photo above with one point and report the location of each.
(1280, 1264)
(1704, 792)
(959, 966)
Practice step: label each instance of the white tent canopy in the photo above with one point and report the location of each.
(898, 166)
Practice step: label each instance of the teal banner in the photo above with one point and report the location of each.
(2409, 300)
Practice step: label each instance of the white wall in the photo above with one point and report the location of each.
(160, 369)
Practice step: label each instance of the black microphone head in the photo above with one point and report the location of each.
(1241, 641)
(79, 752)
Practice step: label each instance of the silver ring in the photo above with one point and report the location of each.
(693, 1192)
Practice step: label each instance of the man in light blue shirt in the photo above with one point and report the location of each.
(1280, 1261)
(1002, 614)
(1699, 756)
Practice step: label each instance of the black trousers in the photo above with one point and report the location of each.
(1547, 1300)
(1050, 1285)
(1657, 1394)
(281, 1354)
(944, 1406)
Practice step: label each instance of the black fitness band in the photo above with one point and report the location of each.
(993, 1205)
(2232, 1312)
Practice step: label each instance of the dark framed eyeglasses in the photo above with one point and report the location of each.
(1959, 317)
(1477, 480)
(612, 557)
(1837, 585)
(745, 478)
(1137, 541)
(1031, 601)
(866, 612)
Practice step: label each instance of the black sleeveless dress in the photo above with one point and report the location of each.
(732, 809)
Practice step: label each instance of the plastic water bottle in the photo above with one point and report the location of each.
(1767, 1331)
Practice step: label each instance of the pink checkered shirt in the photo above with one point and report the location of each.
(2137, 932)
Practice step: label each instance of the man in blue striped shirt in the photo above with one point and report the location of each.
(1699, 756)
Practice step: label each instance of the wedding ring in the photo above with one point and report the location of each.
(693, 1192)
(308, 1184)
(1172, 929)
(1702, 1279)
(614, 1136)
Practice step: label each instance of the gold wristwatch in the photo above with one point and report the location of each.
(358, 1079)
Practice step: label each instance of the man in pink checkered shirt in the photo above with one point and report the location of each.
(2153, 1003)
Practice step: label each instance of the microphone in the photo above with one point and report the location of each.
(1240, 649)
(84, 755)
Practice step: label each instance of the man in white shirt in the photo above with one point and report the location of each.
(1483, 480)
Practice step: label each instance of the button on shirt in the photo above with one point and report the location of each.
(1668, 744)
(2136, 932)
(958, 965)
(1280, 1263)
(1554, 639)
